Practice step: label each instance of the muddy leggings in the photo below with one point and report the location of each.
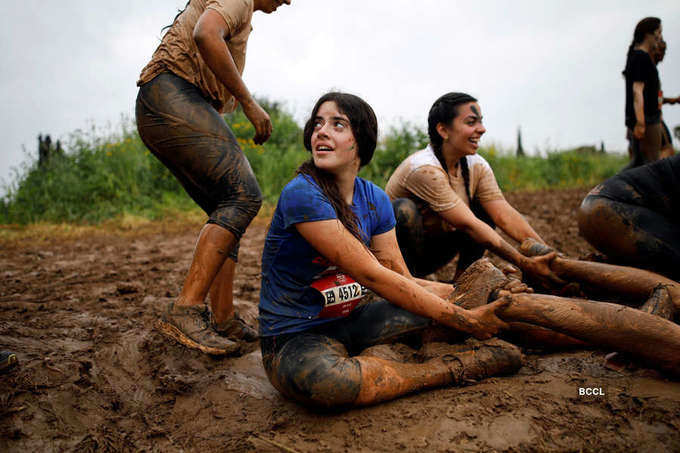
(315, 367)
(182, 129)
(634, 217)
(426, 251)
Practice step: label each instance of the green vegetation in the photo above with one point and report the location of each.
(105, 175)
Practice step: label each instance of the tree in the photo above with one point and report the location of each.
(520, 148)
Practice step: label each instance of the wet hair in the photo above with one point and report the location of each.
(646, 26)
(180, 11)
(444, 111)
(364, 126)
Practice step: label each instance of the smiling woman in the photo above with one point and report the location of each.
(447, 201)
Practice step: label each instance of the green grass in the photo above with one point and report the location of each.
(104, 175)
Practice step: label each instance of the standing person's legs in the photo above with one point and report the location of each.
(190, 138)
(666, 142)
(650, 146)
(226, 320)
(648, 149)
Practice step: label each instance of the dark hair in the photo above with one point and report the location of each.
(179, 11)
(444, 110)
(365, 129)
(646, 26)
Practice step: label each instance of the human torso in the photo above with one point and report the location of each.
(640, 68)
(179, 54)
(291, 267)
(421, 178)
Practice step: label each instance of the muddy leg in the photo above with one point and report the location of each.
(212, 248)
(222, 292)
(225, 319)
(185, 320)
(316, 370)
(622, 280)
(650, 338)
(480, 284)
(659, 304)
(383, 380)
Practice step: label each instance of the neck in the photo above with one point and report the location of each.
(645, 46)
(451, 156)
(345, 182)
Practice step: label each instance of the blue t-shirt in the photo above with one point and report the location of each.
(290, 263)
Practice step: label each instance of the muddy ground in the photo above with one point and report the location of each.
(96, 376)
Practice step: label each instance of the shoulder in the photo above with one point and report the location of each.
(476, 160)
(424, 157)
(237, 13)
(300, 186)
(639, 57)
(370, 190)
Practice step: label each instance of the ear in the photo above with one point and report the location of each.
(443, 131)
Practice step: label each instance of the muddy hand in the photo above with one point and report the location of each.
(443, 290)
(260, 120)
(511, 271)
(487, 323)
(539, 267)
(514, 286)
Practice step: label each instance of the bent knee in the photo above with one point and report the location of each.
(594, 215)
(321, 380)
(405, 211)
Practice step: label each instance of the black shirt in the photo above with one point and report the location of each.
(640, 68)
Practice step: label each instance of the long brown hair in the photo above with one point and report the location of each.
(364, 126)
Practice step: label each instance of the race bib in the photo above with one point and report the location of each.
(340, 293)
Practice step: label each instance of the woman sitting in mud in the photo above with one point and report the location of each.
(447, 201)
(634, 217)
(332, 234)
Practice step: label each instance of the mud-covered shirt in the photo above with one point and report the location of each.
(422, 178)
(641, 68)
(179, 54)
(290, 264)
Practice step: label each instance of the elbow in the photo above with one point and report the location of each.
(371, 276)
(201, 37)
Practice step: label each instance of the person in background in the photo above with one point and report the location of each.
(643, 114)
(634, 217)
(193, 76)
(666, 138)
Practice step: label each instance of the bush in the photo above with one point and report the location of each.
(104, 175)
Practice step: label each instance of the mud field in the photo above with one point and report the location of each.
(94, 375)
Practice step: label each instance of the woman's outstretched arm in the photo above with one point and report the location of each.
(463, 219)
(510, 220)
(336, 243)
